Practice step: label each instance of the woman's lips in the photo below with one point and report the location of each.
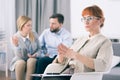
(87, 26)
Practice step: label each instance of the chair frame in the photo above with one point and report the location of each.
(3, 44)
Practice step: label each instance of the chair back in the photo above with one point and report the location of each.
(2, 52)
(3, 46)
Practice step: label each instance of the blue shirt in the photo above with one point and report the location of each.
(50, 40)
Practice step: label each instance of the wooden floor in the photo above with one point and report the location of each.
(2, 76)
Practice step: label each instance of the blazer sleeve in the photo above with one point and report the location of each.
(18, 50)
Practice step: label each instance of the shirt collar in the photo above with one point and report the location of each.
(59, 32)
(24, 38)
(94, 36)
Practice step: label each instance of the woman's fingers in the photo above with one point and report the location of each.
(15, 40)
(62, 49)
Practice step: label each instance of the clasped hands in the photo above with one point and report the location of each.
(65, 52)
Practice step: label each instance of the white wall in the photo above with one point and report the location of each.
(7, 15)
(111, 9)
(7, 21)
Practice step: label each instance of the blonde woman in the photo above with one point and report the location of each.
(25, 53)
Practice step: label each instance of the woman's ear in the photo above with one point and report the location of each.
(102, 21)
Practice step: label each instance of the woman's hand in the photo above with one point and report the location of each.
(32, 56)
(66, 52)
(29, 55)
(15, 40)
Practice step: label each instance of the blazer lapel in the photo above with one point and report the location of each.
(79, 44)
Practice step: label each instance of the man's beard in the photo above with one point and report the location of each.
(55, 30)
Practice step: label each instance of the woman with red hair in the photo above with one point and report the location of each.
(91, 53)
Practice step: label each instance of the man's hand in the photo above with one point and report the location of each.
(47, 54)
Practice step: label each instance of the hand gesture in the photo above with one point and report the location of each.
(15, 40)
(65, 51)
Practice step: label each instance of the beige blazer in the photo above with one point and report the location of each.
(98, 47)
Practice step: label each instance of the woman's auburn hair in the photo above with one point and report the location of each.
(93, 10)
